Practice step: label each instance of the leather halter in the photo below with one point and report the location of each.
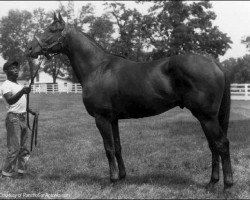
(59, 41)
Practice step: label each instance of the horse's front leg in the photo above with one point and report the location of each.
(105, 128)
(118, 149)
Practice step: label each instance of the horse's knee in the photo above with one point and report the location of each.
(110, 152)
(222, 146)
(118, 150)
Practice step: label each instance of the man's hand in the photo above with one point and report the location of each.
(33, 112)
(26, 90)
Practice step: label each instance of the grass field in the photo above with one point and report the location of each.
(166, 156)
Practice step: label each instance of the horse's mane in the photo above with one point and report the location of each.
(98, 45)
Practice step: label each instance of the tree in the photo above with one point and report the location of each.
(13, 28)
(101, 30)
(246, 41)
(85, 17)
(56, 67)
(230, 67)
(131, 28)
(180, 27)
(240, 69)
(16, 31)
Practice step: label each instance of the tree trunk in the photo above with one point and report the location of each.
(54, 79)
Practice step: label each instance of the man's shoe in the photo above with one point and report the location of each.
(6, 174)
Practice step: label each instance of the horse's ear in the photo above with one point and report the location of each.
(60, 18)
(55, 17)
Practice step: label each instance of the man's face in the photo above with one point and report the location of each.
(13, 71)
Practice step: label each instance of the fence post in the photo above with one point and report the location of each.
(246, 91)
(75, 88)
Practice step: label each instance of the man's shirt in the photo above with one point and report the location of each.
(20, 105)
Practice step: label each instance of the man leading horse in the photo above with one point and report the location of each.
(115, 88)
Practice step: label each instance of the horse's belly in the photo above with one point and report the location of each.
(140, 110)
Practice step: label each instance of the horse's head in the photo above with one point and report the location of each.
(50, 42)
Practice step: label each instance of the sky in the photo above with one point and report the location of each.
(232, 17)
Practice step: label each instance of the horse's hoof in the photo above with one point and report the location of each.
(114, 180)
(227, 192)
(122, 175)
(228, 185)
(210, 186)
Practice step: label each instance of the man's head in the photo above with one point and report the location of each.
(9, 64)
(11, 68)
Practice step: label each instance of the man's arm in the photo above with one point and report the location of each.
(12, 99)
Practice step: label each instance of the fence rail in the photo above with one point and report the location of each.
(56, 88)
(238, 91)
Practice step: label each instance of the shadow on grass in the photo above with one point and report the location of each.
(52, 177)
(84, 178)
(172, 180)
(163, 179)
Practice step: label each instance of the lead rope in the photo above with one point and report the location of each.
(34, 132)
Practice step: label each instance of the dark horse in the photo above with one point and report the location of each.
(116, 88)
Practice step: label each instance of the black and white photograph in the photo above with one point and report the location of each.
(125, 99)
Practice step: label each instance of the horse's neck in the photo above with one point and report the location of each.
(84, 55)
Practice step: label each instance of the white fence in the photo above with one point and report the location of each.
(238, 91)
(56, 88)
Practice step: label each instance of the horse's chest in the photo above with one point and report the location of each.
(95, 100)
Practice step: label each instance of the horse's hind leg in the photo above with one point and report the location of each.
(105, 128)
(219, 145)
(215, 175)
(118, 154)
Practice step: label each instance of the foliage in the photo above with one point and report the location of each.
(246, 41)
(85, 17)
(131, 28)
(15, 33)
(240, 69)
(180, 27)
(101, 30)
(56, 67)
(170, 27)
(14, 28)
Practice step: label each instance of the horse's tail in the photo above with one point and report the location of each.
(224, 112)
